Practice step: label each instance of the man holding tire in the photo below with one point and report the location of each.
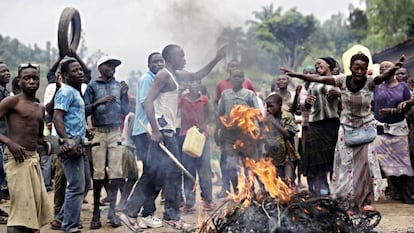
(106, 100)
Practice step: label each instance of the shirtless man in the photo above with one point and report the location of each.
(30, 208)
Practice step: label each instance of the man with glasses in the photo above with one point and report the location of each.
(30, 208)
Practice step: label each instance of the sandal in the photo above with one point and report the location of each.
(3, 220)
(368, 208)
(56, 225)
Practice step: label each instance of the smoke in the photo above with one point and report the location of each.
(195, 26)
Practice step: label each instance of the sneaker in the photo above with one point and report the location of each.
(209, 206)
(150, 222)
(129, 222)
(177, 224)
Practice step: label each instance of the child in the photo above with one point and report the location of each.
(129, 161)
(279, 132)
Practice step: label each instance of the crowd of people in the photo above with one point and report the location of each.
(97, 132)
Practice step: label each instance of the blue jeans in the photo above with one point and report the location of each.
(46, 166)
(78, 178)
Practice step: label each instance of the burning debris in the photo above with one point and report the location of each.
(264, 203)
(246, 119)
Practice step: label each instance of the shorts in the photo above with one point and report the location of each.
(107, 156)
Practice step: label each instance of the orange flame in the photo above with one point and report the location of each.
(245, 118)
(266, 173)
(244, 196)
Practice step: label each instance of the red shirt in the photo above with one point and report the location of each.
(225, 84)
(192, 112)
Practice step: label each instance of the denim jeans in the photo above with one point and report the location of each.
(78, 178)
(46, 166)
(147, 189)
(159, 172)
(225, 179)
(202, 167)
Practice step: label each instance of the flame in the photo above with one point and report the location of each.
(245, 118)
(245, 195)
(238, 144)
(266, 173)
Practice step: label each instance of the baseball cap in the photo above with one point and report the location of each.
(116, 62)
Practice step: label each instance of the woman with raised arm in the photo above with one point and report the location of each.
(392, 140)
(322, 101)
(356, 171)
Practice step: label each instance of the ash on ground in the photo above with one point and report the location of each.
(304, 213)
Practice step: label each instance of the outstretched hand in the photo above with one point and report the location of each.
(221, 53)
(287, 71)
(400, 62)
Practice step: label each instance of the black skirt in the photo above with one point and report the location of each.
(320, 147)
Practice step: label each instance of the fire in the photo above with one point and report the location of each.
(266, 173)
(245, 194)
(244, 118)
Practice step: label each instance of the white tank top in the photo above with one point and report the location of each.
(166, 104)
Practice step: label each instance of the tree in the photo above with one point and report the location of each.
(339, 33)
(287, 35)
(358, 23)
(265, 13)
(234, 39)
(390, 22)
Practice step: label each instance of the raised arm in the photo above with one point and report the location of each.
(391, 71)
(198, 75)
(86, 70)
(309, 77)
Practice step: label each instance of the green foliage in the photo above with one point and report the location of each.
(389, 21)
(14, 53)
(287, 35)
(234, 39)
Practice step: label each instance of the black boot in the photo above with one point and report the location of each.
(97, 187)
(114, 185)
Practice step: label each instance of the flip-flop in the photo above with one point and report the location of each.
(3, 220)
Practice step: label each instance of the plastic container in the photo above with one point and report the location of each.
(194, 142)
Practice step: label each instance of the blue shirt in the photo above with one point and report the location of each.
(108, 114)
(143, 85)
(68, 99)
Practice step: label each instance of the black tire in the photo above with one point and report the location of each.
(69, 31)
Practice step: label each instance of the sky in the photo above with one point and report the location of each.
(132, 29)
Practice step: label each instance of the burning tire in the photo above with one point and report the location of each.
(69, 31)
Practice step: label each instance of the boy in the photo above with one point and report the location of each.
(279, 137)
(30, 208)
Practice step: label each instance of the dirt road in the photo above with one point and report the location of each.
(396, 218)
